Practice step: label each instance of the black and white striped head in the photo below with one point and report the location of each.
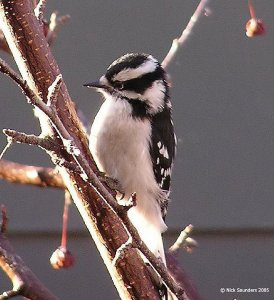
(137, 78)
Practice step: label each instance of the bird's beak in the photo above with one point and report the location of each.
(95, 84)
(99, 84)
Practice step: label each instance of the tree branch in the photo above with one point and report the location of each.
(30, 139)
(50, 28)
(39, 176)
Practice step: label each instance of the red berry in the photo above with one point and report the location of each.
(255, 27)
(62, 258)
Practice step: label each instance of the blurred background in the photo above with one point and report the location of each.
(223, 182)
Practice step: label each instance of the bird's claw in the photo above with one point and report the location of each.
(111, 183)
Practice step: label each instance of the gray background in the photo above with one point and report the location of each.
(224, 115)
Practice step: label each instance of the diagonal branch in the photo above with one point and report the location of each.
(178, 42)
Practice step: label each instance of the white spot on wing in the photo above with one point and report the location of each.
(164, 152)
(158, 161)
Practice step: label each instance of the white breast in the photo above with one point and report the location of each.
(120, 147)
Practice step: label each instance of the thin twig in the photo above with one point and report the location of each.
(65, 219)
(178, 42)
(8, 145)
(54, 24)
(31, 139)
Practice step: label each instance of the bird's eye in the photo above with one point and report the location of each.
(118, 85)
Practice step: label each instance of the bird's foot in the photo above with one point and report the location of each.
(111, 183)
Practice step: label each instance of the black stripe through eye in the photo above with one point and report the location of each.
(140, 84)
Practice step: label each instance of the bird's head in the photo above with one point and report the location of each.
(135, 77)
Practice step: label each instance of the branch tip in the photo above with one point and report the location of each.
(54, 24)
(45, 143)
(184, 241)
(8, 145)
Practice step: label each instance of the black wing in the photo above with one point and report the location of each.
(162, 150)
